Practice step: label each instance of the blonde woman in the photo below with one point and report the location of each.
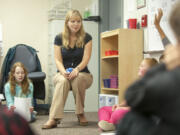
(72, 51)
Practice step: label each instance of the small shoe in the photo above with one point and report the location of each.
(58, 121)
(33, 119)
(84, 123)
(49, 126)
(106, 126)
(82, 120)
(35, 113)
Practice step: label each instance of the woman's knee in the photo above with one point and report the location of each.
(58, 78)
(83, 80)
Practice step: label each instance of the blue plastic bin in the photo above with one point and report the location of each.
(106, 83)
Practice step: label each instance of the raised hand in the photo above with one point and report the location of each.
(158, 17)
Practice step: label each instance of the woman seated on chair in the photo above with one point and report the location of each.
(72, 52)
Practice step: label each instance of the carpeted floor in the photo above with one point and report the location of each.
(69, 125)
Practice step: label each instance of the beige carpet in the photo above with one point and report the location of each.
(69, 125)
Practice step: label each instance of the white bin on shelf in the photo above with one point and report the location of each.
(111, 100)
(107, 100)
(102, 100)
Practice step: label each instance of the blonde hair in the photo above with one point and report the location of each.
(151, 61)
(66, 33)
(12, 81)
(174, 20)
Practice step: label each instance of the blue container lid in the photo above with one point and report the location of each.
(69, 70)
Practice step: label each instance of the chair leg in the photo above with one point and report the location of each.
(34, 103)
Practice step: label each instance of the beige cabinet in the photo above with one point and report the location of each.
(125, 64)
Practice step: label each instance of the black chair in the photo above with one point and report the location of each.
(28, 56)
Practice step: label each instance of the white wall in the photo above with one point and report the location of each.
(84, 3)
(131, 11)
(81, 5)
(25, 21)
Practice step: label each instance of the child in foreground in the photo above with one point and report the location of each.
(109, 116)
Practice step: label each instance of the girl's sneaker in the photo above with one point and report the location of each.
(33, 116)
(106, 126)
(35, 113)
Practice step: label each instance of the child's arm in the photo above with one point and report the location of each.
(157, 21)
(117, 106)
(125, 108)
(123, 104)
(31, 109)
(114, 107)
(30, 95)
(9, 97)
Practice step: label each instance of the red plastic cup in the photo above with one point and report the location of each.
(108, 53)
(114, 52)
(132, 23)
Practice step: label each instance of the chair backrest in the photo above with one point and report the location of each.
(25, 56)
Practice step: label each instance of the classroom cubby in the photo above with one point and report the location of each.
(121, 54)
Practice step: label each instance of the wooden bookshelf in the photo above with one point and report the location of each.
(129, 44)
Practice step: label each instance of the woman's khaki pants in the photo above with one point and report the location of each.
(62, 88)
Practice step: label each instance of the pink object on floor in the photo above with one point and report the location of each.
(106, 113)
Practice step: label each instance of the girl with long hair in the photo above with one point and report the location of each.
(18, 85)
